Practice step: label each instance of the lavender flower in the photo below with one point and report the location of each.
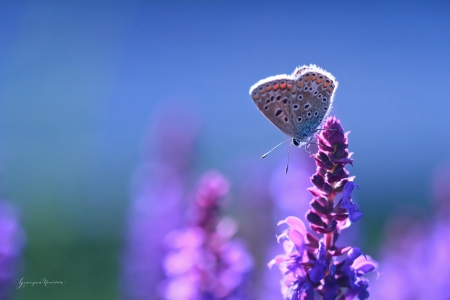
(310, 266)
(12, 241)
(415, 263)
(159, 191)
(415, 256)
(203, 261)
(253, 215)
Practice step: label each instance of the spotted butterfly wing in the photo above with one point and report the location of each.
(304, 105)
(273, 97)
(312, 101)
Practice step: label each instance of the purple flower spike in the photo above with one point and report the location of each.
(159, 187)
(203, 261)
(312, 269)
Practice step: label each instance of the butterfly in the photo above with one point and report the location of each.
(297, 104)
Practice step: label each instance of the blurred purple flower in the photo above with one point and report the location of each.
(415, 256)
(310, 266)
(158, 194)
(203, 261)
(12, 241)
(416, 263)
(253, 213)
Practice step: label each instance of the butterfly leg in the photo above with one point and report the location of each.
(319, 129)
(312, 143)
(308, 143)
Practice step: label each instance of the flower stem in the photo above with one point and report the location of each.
(329, 237)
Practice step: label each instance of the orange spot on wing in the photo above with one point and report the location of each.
(256, 96)
(326, 84)
(268, 87)
(282, 85)
(300, 84)
(275, 86)
(319, 80)
(313, 78)
(330, 90)
(307, 77)
(290, 84)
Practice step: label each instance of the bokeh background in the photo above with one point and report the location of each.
(83, 85)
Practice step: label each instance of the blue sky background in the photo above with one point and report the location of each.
(80, 82)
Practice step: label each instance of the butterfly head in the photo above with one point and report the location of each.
(299, 143)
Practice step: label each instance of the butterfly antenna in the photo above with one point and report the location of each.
(289, 152)
(274, 148)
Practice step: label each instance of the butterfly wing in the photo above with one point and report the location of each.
(273, 96)
(313, 94)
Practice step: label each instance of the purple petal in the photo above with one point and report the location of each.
(339, 187)
(295, 223)
(318, 207)
(315, 192)
(323, 161)
(353, 209)
(338, 174)
(354, 253)
(364, 265)
(354, 213)
(314, 218)
(309, 290)
(331, 287)
(320, 265)
(347, 193)
(344, 160)
(297, 239)
(318, 180)
(323, 144)
(364, 269)
(312, 241)
(317, 273)
(360, 290)
(309, 295)
(277, 260)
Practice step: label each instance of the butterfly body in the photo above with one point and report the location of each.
(298, 103)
